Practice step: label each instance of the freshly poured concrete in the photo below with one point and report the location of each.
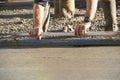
(86, 63)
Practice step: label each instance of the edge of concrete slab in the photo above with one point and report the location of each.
(60, 43)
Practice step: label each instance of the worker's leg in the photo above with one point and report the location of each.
(67, 8)
(57, 8)
(38, 14)
(109, 7)
(91, 7)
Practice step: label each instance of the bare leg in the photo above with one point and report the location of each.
(38, 14)
(109, 7)
(91, 7)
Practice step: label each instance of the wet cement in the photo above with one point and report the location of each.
(80, 63)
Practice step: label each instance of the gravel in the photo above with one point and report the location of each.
(19, 19)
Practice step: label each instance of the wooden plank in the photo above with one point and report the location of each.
(63, 42)
(90, 33)
(59, 35)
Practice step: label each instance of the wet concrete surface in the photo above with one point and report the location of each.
(83, 63)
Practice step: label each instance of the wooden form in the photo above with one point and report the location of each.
(60, 34)
(64, 34)
(61, 41)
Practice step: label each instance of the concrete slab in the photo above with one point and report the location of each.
(85, 63)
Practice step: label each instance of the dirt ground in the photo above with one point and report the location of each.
(18, 19)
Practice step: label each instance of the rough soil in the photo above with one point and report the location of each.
(18, 19)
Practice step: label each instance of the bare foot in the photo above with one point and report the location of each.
(82, 28)
(113, 28)
(69, 28)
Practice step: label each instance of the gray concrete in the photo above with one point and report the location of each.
(87, 63)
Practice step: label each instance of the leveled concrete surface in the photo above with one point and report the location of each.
(82, 63)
